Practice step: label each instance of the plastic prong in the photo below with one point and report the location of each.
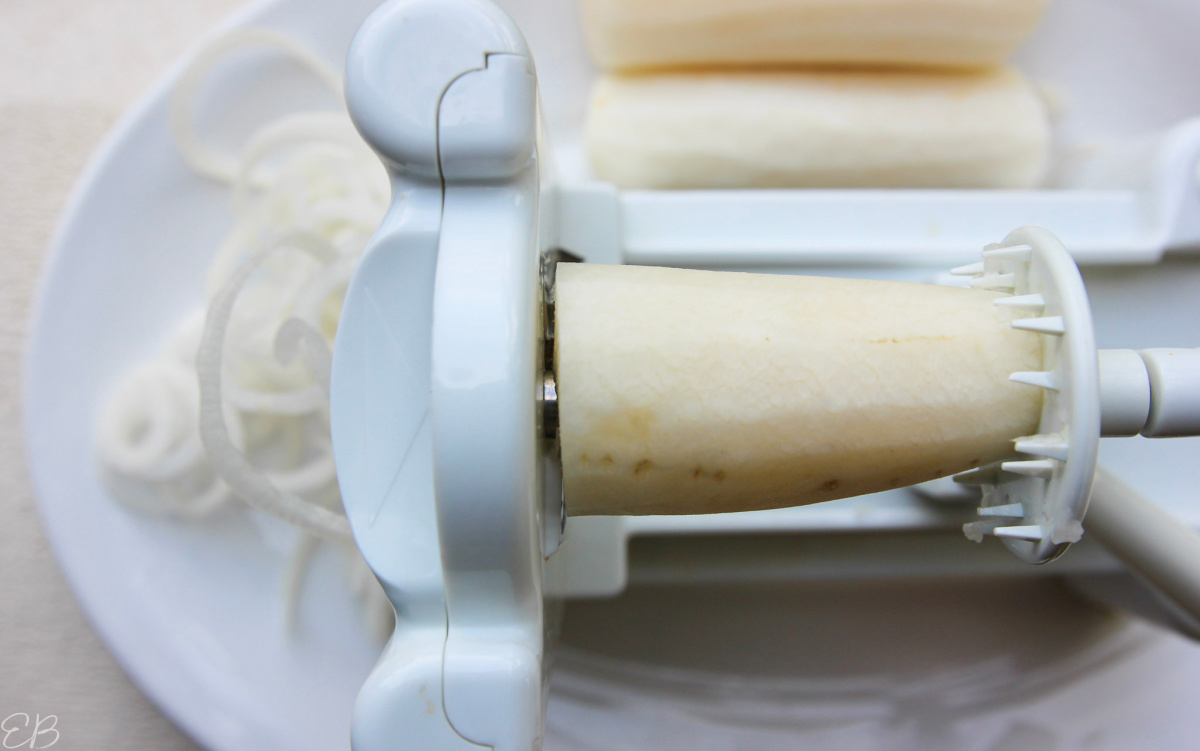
(1043, 468)
(1021, 301)
(1048, 449)
(1031, 532)
(1037, 378)
(1049, 325)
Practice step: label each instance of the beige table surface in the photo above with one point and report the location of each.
(68, 68)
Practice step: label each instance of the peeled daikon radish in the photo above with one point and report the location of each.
(626, 34)
(818, 129)
(684, 391)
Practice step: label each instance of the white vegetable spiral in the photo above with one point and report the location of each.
(236, 404)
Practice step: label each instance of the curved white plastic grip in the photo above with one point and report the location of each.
(464, 666)
(487, 457)
(379, 417)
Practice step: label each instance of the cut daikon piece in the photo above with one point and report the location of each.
(684, 391)
(630, 34)
(781, 129)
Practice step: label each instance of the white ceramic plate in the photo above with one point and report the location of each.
(193, 612)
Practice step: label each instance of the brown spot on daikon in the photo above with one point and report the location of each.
(643, 467)
(607, 460)
(975, 462)
(583, 458)
(720, 475)
(831, 485)
(894, 482)
(697, 474)
(629, 426)
(639, 421)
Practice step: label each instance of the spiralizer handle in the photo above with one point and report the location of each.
(1154, 544)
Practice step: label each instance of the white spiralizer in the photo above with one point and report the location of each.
(443, 414)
